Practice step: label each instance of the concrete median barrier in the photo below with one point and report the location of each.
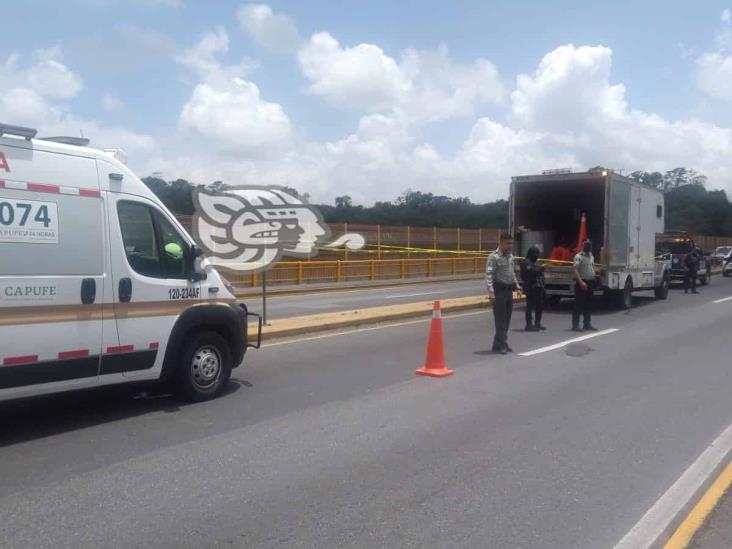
(372, 315)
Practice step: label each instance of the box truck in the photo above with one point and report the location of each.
(622, 220)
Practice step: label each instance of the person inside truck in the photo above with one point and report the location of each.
(585, 282)
(532, 278)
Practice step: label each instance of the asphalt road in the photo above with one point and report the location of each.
(334, 442)
(285, 306)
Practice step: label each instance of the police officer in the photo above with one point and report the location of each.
(532, 278)
(691, 264)
(585, 282)
(500, 277)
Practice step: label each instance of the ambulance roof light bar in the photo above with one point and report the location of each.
(20, 131)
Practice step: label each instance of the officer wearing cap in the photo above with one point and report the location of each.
(585, 282)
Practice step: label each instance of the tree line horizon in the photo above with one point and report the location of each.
(690, 206)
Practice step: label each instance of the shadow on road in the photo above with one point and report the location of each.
(30, 419)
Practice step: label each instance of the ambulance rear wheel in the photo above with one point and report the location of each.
(204, 368)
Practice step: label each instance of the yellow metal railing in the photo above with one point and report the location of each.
(309, 272)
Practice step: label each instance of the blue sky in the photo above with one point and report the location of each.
(123, 63)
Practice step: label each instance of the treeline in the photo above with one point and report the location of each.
(689, 205)
(420, 209)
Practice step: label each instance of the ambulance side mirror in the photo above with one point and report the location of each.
(192, 254)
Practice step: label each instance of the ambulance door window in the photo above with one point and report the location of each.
(140, 240)
(172, 248)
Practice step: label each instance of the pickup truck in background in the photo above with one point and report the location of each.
(673, 247)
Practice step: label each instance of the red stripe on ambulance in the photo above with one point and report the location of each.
(121, 349)
(80, 353)
(43, 188)
(13, 360)
(154, 346)
(90, 192)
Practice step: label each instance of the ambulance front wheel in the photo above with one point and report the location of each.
(205, 367)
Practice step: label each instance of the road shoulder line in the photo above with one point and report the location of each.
(701, 511)
(663, 515)
(569, 341)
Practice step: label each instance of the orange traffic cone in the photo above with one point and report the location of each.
(434, 364)
(582, 236)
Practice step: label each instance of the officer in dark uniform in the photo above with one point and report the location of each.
(691, 265)
(532, 277)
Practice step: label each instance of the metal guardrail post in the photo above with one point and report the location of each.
(430, 269)
(371, 269)
(458, 238)
(409, 241)
(402, 265)
(338, 271)
(299, 272)
(254, 279)
(434, 240)
(480, 239)
(454, 265)
(378, 240)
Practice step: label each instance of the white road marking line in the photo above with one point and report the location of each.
(722, 300)
(657, 519)
(410, 295)
(567, 342)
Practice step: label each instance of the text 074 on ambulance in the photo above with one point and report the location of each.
(99, 283)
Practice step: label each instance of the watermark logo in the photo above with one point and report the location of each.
(249, 228)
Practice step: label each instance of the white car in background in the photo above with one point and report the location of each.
(727, 265)
(720, 254)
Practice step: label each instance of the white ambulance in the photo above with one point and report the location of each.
(99, 283)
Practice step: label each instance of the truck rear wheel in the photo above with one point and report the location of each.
(662, 291)
(204, 368)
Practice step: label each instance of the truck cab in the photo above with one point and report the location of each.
(99, 282)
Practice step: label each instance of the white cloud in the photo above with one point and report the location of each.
(46, 75)
(714, 75)
(202, 59)
(567, 113)
(424, 87)
(35, 95)
(714, 68)
(110, 103)
(226, 108)
(272, 31)
(570, 98)
(236, 117)
(362, 76)
(441, 88)
(569, 90)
